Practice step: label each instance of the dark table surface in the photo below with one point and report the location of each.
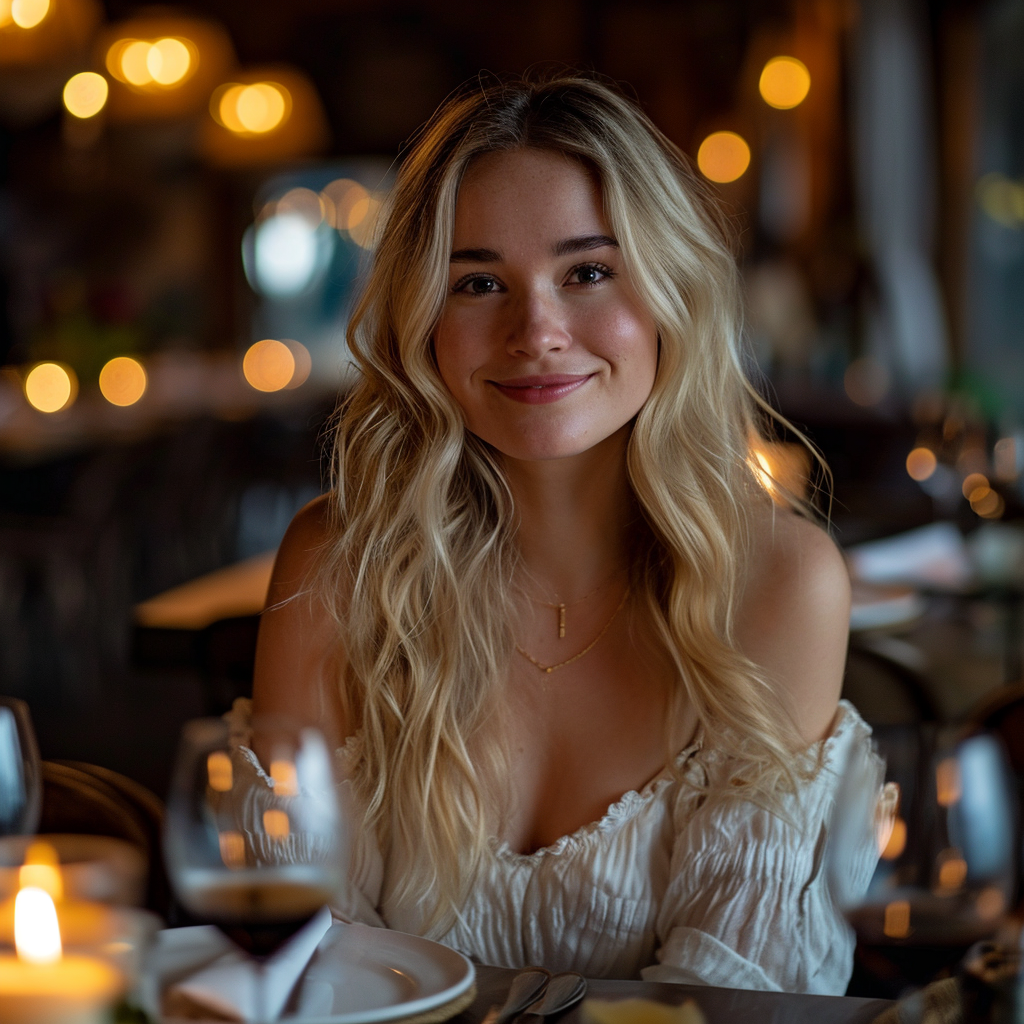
(719, 1005)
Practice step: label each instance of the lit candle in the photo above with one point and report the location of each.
(41, 985)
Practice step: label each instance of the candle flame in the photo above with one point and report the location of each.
(36, 931)
(41, 870)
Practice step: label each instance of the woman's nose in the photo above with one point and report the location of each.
(538, 327)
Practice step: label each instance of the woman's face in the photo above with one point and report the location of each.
(543, 342)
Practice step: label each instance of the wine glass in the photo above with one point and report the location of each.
(922, 852)
(254, 835)
(21, 786)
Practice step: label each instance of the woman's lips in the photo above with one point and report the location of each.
(541, 390)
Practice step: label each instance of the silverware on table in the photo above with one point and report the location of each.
(562, 991)
(524, 991)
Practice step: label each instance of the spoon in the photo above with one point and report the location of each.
(563, 990)
(526, 986)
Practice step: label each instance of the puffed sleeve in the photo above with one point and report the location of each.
(748, 904)
(360, 897)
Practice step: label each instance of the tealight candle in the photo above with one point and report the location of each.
(41, 985)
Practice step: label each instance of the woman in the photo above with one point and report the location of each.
(580, 655)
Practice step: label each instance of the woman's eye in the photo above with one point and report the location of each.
(589, 274)
(475, 286)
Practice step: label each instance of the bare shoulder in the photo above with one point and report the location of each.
(299, 660)
(794, 615)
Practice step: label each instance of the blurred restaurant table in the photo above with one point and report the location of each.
(718, 1005)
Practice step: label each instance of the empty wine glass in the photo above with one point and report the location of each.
(21, 787)
(254, 834)
(922, 852)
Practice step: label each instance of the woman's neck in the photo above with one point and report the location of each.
(574, 517)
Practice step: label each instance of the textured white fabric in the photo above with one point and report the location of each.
(670, 885)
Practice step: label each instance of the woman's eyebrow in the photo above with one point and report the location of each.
(475, 256)
(569, 246)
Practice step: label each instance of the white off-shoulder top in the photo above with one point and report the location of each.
(670, 885)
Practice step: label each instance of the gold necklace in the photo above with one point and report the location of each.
(586, 650)
(561, 605)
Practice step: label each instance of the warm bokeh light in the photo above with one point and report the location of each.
(952, 872)
(921, 463)
(990, 903)
(29, 13)
(303, 363)
(723, 157)
(1002, 199)
(782, 469)
(219, 771)
(168, 61)
(896, 842)
(286, 779)
(276, 824)
(362, 221)
(85, 94)
(947, 782)
(987, 503)
(339, 197)
(303, 202)
(269, 365)
(36, 931)
(135, 63)
(164, 63)
(866, 381)
(41, 870)
(122, 381)
(251, 109)
(232, 849)
(972, 482)
(896, 922)
(50, 387)
(785, 82)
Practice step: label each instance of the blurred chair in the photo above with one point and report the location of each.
(90, 800)
(885, 681)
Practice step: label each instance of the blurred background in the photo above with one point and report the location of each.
(187, 202)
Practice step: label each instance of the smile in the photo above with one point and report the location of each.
(541, 390)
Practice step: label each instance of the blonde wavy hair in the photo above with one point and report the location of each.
(419, 572)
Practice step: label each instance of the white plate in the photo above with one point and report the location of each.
(358, 975)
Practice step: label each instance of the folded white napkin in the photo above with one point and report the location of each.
(226, 989)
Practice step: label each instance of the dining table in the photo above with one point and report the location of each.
(718, 1005)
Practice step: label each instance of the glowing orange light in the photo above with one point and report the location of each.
(168, 61)
(286, 779)
(785, 82)
(987, 503)
(85, 94)
(36, 932)
(276, 824)
(269, 365)
(896, 922)
(947, 782)
(122, 381)
(219, 771)
(232, 849)
(29, 13)
(135, 62)
(952, 872)
(339, 197)
(723, 157)
(251, 109)
(972, 482)
(41, 870)
(50, 387)
(921, 463)
(896, 842)
(303, 363)
(362, 220)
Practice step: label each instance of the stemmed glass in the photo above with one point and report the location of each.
(922, 852)
(21, 786)
(254, 834)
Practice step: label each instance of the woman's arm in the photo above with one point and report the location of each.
(299, 661)
(794, 618)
